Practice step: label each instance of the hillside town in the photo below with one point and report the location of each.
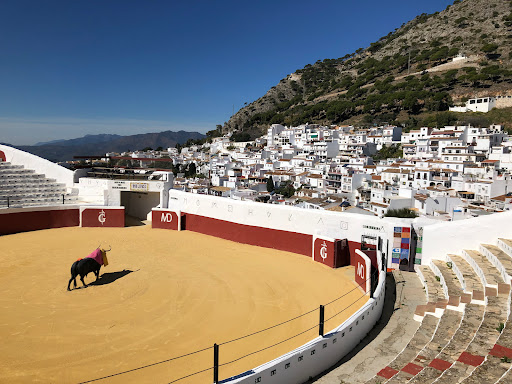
(448, 173)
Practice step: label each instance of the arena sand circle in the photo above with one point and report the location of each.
(163, 294)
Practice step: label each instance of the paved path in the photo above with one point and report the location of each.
(396, 327)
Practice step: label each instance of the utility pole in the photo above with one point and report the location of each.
(409, 63)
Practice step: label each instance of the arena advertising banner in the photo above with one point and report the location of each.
(166, 219)
(139, 187)
(102, 216)
(323, 251)
(362, 270)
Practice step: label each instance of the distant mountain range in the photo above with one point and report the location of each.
(89, 145)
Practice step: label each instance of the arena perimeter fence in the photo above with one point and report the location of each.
(216, 347)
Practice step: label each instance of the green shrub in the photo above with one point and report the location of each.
(405, 213)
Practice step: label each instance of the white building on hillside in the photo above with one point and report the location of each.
(482, 104)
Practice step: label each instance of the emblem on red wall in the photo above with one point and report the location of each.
(102, 217)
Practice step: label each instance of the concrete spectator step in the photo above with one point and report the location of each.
(26, 183)
(491, 276)
(499, 359)
(506, 246)
(447, 327)
(506, 378)
(490, 371)
(422, 336)
(468, 327)
(36, 190)
(434, 288)
(451, 281)
(496, 312)
(471, 281)
(499, 259)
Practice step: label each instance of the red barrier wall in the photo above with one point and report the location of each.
(102, 217)
(352, 246)
(263, 237)
(165, 220)
(361, 273)
(323, 252)
(35, 220)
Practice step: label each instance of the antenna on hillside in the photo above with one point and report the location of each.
(409, 63)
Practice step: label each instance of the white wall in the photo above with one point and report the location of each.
(338, 225)
(108, 192)
(323, 352)
(39, 165)
(454, 236)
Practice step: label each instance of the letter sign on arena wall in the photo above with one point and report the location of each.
(362, 271)
(323, 251)
(102, 217)
(165, 219)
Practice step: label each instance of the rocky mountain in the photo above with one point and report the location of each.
(87, 139)
(88, 145)
(406, 77)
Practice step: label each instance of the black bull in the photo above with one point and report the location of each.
(83, 267)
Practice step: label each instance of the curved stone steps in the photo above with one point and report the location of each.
(499, 259)
(435, 294)
(496, 312)
(435, 291)
(499, 359)
(447, 327)
(473, 284)
(490, 371)
(491, 276)
(473, 316)
(420, 339)
(451, 281)
(506, 378)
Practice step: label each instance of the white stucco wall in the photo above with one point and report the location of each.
(323, 352)
(108, 192)
(39, 165)
(454, 236)
(338, 225)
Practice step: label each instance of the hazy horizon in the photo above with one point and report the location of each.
(124, 67)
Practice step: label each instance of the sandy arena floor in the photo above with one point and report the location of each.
(163, 294)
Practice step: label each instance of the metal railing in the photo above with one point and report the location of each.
(33, 200)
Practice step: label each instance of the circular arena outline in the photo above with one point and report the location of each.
(135, 314)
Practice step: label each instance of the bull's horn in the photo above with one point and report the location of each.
(106, 250)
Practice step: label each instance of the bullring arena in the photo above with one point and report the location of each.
(174, 293)
(213, 289)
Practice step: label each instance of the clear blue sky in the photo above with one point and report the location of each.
(76, 67)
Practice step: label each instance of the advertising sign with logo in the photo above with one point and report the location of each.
(362, 270)
(139, 186)
(323, 251)
(166, 219)
(102, 217)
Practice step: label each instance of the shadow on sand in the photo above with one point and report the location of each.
(131, 221)
(110, 277)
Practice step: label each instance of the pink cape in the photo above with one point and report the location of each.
(97, 256)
